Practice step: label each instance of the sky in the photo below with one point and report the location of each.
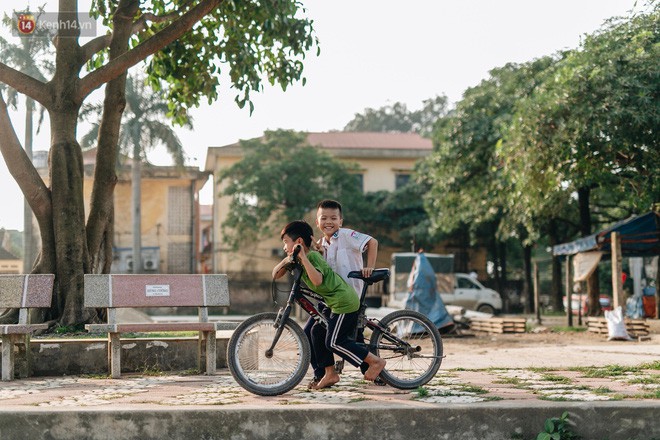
(372, 53)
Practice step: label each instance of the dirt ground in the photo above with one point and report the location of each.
(543, 348)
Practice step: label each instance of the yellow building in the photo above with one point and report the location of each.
(169, 215)
(386, 161)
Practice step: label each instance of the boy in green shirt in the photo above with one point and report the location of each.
(339, 297)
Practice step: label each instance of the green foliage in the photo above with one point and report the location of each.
(422, 392)
(557, 428)
(592, 124)
(252, 41)
(397, 117)
(144, 123)
(281, 178)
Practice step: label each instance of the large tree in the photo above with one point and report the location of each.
(397, 117)
(590, 131)
(29, 55)
(187, 44)
(467, 191)
(281, 177)
(144, 127)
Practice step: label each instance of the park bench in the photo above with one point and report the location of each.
(22, 292)
(158, 290)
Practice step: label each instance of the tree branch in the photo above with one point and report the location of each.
(117, 66)
(21, 168)
(25, 84)
(103, 42)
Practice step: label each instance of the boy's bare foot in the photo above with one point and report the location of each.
(374, 369)
(327, 381)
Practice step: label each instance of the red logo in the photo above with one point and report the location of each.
(26, 24)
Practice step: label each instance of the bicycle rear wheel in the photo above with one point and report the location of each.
(260, 373)
(414, 361)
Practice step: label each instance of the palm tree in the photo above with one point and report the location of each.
(143, 128)
(30, 56)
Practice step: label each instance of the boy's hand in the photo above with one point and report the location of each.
(367, 271)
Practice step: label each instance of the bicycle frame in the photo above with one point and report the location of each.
(298, 295)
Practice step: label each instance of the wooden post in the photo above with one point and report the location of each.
(535, 279)
(617, 282)
(569, 310)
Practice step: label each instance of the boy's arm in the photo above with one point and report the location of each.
(372, 253)
(313, 273)
(281, 268)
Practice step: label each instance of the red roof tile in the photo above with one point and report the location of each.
(375, 140)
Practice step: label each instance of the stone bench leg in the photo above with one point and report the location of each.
(114, 355)
(7, 357)
(207, 352)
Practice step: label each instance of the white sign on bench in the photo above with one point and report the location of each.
(116, 291)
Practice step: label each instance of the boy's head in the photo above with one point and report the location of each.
(329, 217)
(295, 230)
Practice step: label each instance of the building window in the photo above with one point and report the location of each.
(179, 211)
(360, 181)
(401, 180)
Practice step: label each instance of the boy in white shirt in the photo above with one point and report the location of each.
(342, 248)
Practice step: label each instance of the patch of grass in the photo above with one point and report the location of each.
(655, 365)
(652, 379)
(607, 371)
(190, 372)
(555, 378)
(422, 392)
(648, 395)
(152, 371)
(472, 389)
(509, 380)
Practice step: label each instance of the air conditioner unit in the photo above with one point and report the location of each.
(150, 263)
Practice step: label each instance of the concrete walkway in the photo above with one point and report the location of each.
(497, 403)
(487, 388)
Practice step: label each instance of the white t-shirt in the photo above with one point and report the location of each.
(344, 254)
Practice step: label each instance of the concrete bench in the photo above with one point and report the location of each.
(163, 290)
(22, 292)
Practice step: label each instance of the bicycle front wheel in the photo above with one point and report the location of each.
(412, 347)
(261, 372)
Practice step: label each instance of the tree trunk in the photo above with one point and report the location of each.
(101, 215)
(527, 289)
(556, 293)
(593, 288)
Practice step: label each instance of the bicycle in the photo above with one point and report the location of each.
(269, 354)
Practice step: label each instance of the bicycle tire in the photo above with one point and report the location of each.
(408, 368)
(262, 375)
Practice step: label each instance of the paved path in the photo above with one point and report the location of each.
(449, 386)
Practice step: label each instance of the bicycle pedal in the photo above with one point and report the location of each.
(339, 366)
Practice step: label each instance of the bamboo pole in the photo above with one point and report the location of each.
(617, 281)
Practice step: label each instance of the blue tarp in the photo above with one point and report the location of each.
(640, 237)
(424, 297)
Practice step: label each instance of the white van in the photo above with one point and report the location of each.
(458, 289)
(471, 294)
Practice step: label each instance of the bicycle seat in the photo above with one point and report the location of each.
(376, 276)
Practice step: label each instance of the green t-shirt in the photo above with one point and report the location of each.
(337, 294)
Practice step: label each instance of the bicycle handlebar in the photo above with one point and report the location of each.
(296, 251)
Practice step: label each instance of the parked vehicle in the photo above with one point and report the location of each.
(580, 300)
(471, 294)
(458, 289)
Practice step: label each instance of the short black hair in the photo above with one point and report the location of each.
(330, 204)
(299, 229)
